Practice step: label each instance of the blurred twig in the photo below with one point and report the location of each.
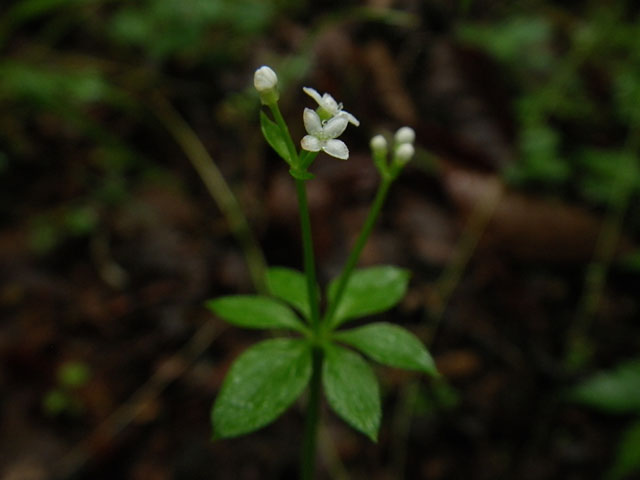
(578, 349)
(71, 464)
(216, 186)
(402, 427)
(335, 467)
(446, 285)
(452, 274)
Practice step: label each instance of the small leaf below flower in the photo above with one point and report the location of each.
(274, 137)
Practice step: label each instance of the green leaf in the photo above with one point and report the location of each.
(274, 137)
(261, 384)
(291, 286)
(254, 311)
(369, 290)
(615, 391)
(390, 345)
(352, 390)
(627, 458)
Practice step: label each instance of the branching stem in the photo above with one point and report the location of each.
(354, 255)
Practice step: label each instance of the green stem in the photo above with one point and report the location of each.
(307, 465)
(275, 110)
(309, 262)
(354, 256)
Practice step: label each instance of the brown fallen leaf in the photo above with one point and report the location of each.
(458, 363)
(388, 83)
(524, 226)
(465, 91)
(429, 228)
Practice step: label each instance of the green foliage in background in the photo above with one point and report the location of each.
(63, 399)
(571, 74)
(80, 72)
(193, 29)
(616, 391)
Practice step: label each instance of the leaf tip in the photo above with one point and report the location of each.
(210, 304)
(373, 436)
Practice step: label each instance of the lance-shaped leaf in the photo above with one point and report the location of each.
(390, 345)
(291, 286)
(615, 391)
(627, 459)
(274, 137)
(261, 384)
(368, 291)
(255, 311)
(352, 390)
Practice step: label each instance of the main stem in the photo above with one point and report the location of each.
(308, 460)
(307, 465)
(354, 256)
(309, 262)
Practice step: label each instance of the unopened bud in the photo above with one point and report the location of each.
(378, 144)
(405, 135)
(265, 79)
(404, 153)
(266, 82)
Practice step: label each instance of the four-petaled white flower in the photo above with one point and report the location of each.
(323, 136)
(329, 107)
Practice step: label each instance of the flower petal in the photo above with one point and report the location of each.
(310, 143)
(329, 104)
(353, 120)
(313, 94)
(334, 127)
(312, 122)
(336, 148)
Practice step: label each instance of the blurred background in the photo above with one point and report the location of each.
(120, 123)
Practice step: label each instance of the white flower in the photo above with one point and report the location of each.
(405, 135)
(265, 79)
(323, 136)
(329, 106)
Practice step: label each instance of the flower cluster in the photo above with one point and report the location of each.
(325, 125)
(403, 151)
(328, 121)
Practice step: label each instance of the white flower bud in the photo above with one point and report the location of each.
(405, 135)
(378, 143)
(404, 153)
(265, 79)
(266, 82)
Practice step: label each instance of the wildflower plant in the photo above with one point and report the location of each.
(316, 352)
